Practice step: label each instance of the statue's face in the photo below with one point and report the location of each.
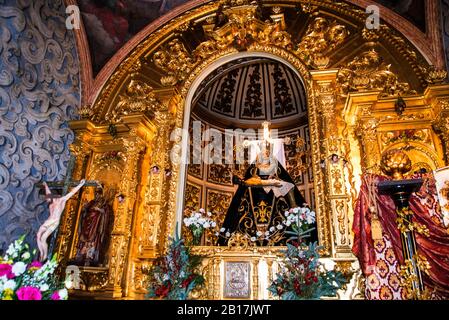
(98, 192)
(265, 152)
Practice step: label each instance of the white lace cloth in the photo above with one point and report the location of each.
(279, 191)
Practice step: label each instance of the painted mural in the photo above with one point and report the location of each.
(412, 10)
(111, 23)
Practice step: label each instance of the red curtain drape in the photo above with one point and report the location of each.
(426, 211)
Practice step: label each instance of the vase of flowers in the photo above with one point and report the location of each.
(197, 223)
(174, 275)
(22, 278)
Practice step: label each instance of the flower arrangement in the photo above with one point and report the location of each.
(21, 278)
(303, 277)
(198, 222)
(300, 220)
(173, 276)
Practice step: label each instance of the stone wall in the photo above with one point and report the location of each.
(39, 92)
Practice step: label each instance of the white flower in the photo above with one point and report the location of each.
(279, 226)
(209, 213)
(18, 268)
(213, 224)
(288, 223)
(287, 213)
(206, 225)
(202, 210)
(68, 283)
(272, 229)
(26, 255)
(166, 277)
(10, 284)
(227, 234)
(222, 230)
(63, 294)
(182, 274)
(216, 233)
(253, 239)
(259, 233)
(44, 287)
(186, 222)
(267, 233)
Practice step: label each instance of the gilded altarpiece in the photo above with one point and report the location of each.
(354, 113)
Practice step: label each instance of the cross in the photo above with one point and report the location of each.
(65, 185)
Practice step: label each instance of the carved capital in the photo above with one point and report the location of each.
(79, 149)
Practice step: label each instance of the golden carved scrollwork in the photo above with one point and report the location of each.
(368, 71)
(175, 60)
(137, 98)
(434, 75)
(321, 38)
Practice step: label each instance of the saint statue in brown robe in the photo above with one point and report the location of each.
(94, 231)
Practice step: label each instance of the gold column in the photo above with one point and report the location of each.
(332, 143)
(121, 233)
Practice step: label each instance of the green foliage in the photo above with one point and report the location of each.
(174, 276)
(303, 277)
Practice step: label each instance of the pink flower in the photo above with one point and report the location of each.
(29, 293)
(55, 296)
(35, 265)
(6, 270)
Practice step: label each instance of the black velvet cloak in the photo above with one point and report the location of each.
(240, 210)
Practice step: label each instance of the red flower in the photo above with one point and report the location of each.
(187, 281)
(29, 293)
(6, 270)
(55, 296)
(297, 287)
(163, 291)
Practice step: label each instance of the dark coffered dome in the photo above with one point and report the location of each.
(245, 92)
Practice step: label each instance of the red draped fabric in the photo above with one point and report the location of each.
(424, 204)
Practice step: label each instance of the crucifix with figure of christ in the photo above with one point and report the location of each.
(56, 207)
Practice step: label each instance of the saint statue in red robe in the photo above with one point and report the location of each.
(94, 231)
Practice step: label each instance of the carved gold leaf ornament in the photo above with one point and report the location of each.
(175, 60)
(434, 75)
(137, 98)
(368, 71)
(395, 163)
(322, 37)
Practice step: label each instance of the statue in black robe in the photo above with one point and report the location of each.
(253, 211)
